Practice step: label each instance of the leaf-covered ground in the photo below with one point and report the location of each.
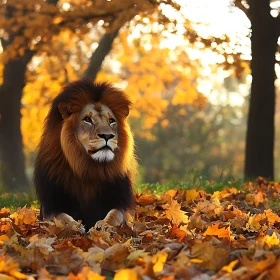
(232, 234)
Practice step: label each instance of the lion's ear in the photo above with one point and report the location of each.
(64, 109)
(126, 111)
(126, 106)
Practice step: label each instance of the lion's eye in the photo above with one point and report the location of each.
(112, 121)
(87, 120)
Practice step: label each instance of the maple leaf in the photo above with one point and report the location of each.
(220, 232)
(272, 217)
(254, 222)
(25, 216)
(210, 208)
(176, 232)
(175, 214)
(272, 240)
(43, 243)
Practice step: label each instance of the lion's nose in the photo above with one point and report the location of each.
(106, 136)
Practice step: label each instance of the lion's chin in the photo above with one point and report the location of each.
(105, 155)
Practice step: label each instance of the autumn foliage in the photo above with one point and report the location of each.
(230, 234)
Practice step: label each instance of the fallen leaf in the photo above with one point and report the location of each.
(145, 200)
(229, 268)
(159, 260)
(126, 274)
(175, 214)
(115, 256)
(220, 232)
(191, 194)
(272, 240)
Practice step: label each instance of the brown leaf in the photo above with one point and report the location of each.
(115, 256)
(145, 200)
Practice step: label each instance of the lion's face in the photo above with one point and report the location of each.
(97, 132)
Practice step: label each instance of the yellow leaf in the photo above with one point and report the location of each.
(191, 194)
(159, 260)
(253, 223)
(4, 237)
(272, 240)
(175, 214)
(126, 274)
(229, 268)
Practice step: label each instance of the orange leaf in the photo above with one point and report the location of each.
(272, 217)
(220, 232)
(176, 232)
(145, 200)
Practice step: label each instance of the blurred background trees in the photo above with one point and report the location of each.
(189, 80)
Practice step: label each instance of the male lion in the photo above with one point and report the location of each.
(85, 165)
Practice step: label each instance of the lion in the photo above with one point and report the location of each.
(85, 165)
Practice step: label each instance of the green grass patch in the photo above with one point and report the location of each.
(274, 205)
(195, 182)
(15, 200)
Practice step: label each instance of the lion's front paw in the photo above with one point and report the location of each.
(66, 222)
(77, 226)
(105, 226)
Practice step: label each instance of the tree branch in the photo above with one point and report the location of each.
(239, 4)
(98, 56)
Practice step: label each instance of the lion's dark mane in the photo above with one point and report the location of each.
(89, 192)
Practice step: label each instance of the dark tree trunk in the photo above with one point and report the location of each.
(260, 131)
(11, 148)
(12, 160)
(98, 56)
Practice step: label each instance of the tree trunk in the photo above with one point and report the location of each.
(11, 149)
(12, 160)
(98, 56)
(260, 131)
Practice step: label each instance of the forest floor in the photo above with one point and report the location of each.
(180, 234)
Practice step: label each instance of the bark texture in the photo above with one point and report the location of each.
(104, 47)
(259, 160)
(11, 148)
